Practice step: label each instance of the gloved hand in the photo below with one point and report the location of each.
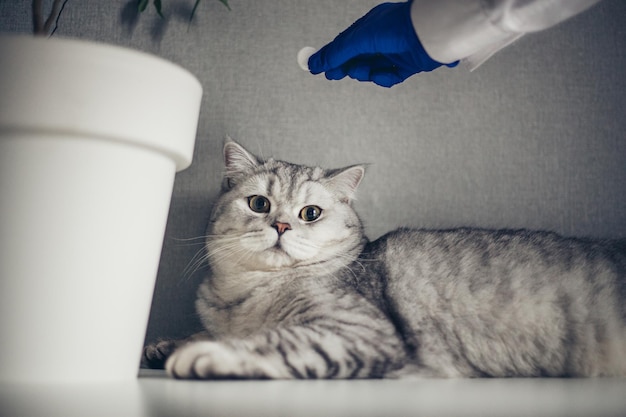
(381, 47)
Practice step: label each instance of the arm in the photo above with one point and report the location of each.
(348, 338)
(473, 30)
(394, 41)
(290, 352)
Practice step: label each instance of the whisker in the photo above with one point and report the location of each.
(187, 239)
(224, 252)
(195, 263)
(200, 258)
(205, 237)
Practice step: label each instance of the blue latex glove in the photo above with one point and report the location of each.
(381, 47)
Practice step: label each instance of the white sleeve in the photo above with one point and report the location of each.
(473, 30)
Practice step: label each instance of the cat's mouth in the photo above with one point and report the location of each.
(278, 248)
(277, 258)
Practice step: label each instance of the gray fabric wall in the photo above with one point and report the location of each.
(534, 138)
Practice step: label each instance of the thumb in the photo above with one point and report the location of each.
(350, 43)
(330, 56)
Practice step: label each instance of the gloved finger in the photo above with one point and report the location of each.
(353, 67)
(350, 43)
(331, 56)
(389, 77)
(360, 72)
(361, 67)
(386, 79)
(334, 54)
(318, 62)
(390, 70)
(375, 67)
(336, 73)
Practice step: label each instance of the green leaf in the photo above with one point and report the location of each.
(193, 11)
(195, 6)
(157, 6)
(225, 3)
(141, 5)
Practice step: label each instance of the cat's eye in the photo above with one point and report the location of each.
(259, 204)
(310, 213)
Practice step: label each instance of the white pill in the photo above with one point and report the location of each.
(304, 55)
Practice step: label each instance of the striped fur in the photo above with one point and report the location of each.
(314, 299)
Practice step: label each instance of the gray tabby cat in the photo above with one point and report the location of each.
(296, 291)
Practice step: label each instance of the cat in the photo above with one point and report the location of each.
(297, 291)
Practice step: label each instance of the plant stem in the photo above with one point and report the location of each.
(41, 28)
(37, 18)
(54, 14)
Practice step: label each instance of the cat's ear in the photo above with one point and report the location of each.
(237, 161)
(345, 181)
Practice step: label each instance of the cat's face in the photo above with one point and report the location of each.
(274, 215)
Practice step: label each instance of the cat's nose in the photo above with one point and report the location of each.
(281, 227)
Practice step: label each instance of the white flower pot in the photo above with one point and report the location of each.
(91, 137)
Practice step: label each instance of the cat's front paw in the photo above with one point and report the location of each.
(211, 360)
(155, 354)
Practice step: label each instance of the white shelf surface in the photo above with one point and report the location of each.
(153, 394)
